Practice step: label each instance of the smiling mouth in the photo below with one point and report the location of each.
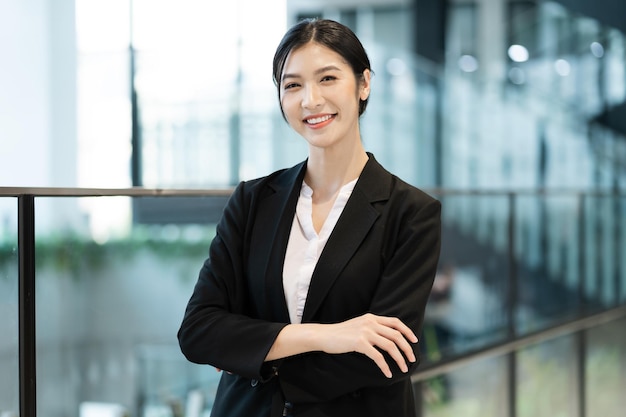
(317, 120)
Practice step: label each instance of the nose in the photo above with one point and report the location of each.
(312, 97)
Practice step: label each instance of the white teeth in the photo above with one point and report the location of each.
(318, 119)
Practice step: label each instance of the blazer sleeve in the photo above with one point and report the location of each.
(215, 329)
(402, 292)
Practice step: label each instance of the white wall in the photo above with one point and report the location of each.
(38, 140)
(25, 98)
(38, 84)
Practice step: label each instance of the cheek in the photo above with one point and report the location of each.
(289, 105)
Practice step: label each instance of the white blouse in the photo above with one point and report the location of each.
(305, 247)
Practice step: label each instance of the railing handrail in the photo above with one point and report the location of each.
(225, 191)
(112, 192)
(569, 327)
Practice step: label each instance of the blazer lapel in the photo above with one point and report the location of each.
(352, 227)
(269, 242)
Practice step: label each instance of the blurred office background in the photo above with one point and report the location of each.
(511, 112)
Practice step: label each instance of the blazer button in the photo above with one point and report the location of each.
(254, 382)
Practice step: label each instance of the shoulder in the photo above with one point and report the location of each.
(381, 185)
(281, 179)
(249, 196)
(412, 195)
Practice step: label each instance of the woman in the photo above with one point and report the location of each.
(318, 276)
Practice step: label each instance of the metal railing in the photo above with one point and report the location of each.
(513, 342)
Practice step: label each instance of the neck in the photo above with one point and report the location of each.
(329, 169)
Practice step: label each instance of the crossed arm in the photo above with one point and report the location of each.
(362, 334)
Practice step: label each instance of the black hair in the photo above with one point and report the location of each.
(330, 34)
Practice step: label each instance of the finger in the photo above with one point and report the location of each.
(400, 344)
(397, 324)
(405, 346)
(379, 360)
(409, 334)
(392, 350)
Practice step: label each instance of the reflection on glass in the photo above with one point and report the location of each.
(548, 259)
(468, 307)
(103, 101)
(205, 89)
(605, 266)
(457, 393)
(568, 260)
(605, 370)
(546, 379)
(9, 395)
(107, 316)
(518, 53)
(110, 298)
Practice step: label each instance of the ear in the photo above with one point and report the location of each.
(364, 85)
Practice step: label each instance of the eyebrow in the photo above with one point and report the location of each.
(317, 72)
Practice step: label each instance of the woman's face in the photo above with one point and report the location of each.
(319, 95)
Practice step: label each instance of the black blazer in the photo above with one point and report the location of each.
(380, 258)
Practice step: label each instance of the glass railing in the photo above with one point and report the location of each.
(570, 373)
(514, 263)
(9, 294)
(537, 130)
(110, 297)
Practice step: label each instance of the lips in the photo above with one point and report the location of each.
(319, 120)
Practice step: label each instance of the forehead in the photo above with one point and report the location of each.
(311, 57)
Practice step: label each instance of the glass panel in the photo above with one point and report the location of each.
(525, 124)
(546, 379)
(604, 260)
(606, 370)
(103, 100)
(468, 307)
(104, 115)
(9, 356)
(207, 109)
(399, 126)
(548, 256)
(95, 22)
(621, 249)
(109, 303)
(546, 383)
(457, 393)
(590, 254)
(210, 125)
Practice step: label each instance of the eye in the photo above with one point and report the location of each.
(290, 86)
(328, 78)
